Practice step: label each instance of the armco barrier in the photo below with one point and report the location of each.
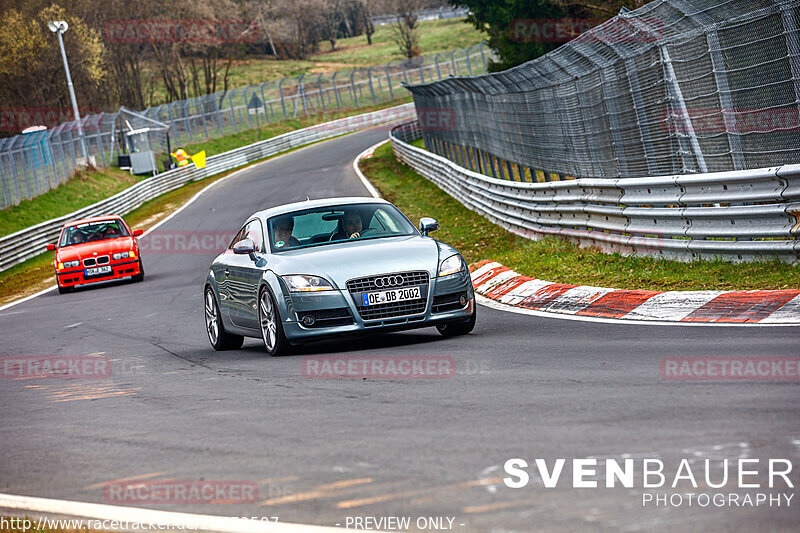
(31, 241)
(739, 216)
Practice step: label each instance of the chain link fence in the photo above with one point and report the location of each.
(34, 163)
(674, 87)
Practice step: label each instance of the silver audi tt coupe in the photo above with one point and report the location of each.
(311, 270)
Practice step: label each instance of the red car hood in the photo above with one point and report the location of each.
(89, 249)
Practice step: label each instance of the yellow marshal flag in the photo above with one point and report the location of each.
(199, 159)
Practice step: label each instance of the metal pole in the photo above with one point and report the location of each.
(672, 80)
(72, 95)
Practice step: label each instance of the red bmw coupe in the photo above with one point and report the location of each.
(96, 249)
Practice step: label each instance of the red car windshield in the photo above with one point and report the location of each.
(93, 231)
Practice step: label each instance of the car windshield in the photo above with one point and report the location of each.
(336, 224)
(93, 231)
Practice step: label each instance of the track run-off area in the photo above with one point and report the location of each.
(322, 451)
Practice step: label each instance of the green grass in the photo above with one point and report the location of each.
(84, 188)
(556, 260)
(434, 37)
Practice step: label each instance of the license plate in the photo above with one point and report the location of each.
(394, 295)
(97, 271)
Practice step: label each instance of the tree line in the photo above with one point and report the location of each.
(147, 52)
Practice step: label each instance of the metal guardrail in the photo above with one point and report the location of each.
(741, 215)
(34, 163)
(31, 241)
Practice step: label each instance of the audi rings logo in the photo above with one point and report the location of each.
(388, 281)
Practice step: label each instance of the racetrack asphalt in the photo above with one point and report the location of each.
(322, 450)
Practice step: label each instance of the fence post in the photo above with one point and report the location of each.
(677, 95)
(336, 91)
(389, 82)
(353, 87)
(320, 94)
(371, 88)
(283, 100)
(793, 46)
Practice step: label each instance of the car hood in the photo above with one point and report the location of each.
(88, 249)
(344, 261)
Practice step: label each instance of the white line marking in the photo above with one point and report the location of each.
(171, 519)
(618, 321)
(75, 325)
(31, 297)
(367, 184)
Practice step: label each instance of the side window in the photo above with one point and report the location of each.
(238, 237)
(254, 232)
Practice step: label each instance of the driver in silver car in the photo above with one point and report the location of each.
(352, 226)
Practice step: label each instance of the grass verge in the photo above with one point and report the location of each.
(84, 188)
(554, 259)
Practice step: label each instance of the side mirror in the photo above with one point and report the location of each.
(427, 225)
(138, 232)
(51, 247)
(244, 247)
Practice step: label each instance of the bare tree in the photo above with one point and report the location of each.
(404, 31)
(332, 18)
(366, 18)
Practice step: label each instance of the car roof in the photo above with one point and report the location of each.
(323, 202)
(90, 219)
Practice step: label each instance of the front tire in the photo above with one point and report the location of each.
(140, 276)
(269, 318)
(454, 329)
(219, 338)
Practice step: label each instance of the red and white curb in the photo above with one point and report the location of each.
(498, 283)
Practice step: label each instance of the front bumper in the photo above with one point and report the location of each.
(336, 312)
(119, 269)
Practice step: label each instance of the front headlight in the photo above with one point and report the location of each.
(68, 264)
(451, 265)
(304, 283)
(123, 255)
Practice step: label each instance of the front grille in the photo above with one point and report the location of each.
(448, 302)
(102, 260)
(368, 283)
(327, 318)
(392, 309)
(89, 262)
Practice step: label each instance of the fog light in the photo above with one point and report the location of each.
(463, 300)
(308, 320)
